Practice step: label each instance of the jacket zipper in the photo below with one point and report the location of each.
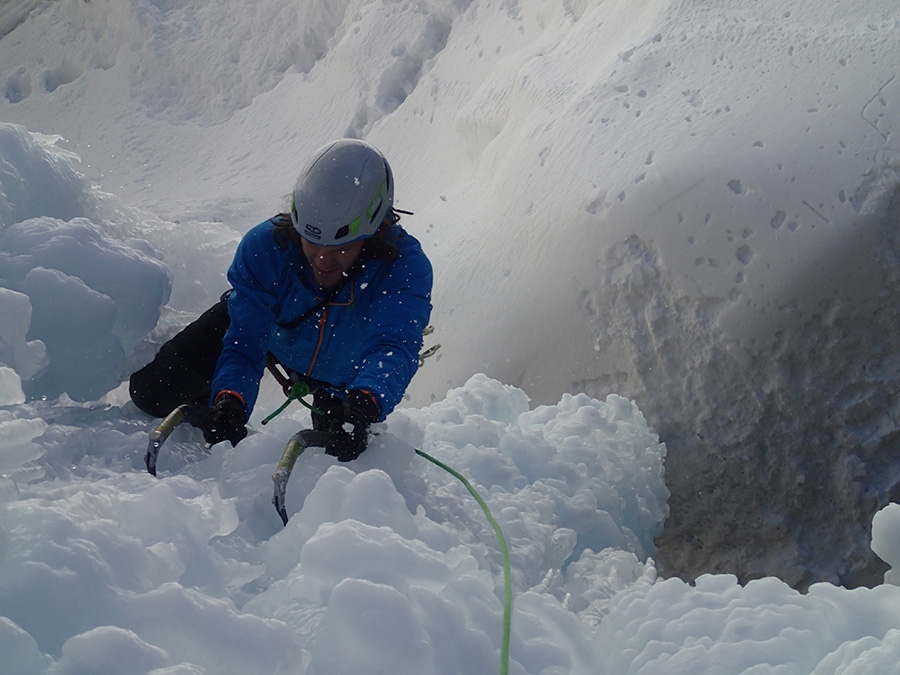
(315, 355)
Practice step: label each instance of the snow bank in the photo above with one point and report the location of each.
(387, 563)
(84, 280)
(717, 625)
(195, 568)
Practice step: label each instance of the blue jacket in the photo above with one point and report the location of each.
(368, 337)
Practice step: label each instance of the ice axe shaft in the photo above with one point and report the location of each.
(299, 442)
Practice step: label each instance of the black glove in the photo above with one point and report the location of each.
(350, 425)
(225, 421)
(327, 408)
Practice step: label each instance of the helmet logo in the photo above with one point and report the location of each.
(313, 231)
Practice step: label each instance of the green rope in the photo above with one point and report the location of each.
(297, 392)
(507, 580)
(507, 583)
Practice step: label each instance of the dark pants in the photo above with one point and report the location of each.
(183, 369)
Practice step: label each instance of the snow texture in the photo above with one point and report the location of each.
(665, 237)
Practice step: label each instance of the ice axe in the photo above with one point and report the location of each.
(299, 442)
(306, 438)
(188, 413)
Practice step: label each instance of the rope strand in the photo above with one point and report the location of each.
(298, 391)
(507, 582)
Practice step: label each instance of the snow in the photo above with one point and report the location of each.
(668, 272)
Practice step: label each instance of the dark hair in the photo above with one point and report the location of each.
(380, 246)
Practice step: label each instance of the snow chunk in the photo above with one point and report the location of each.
(20, 652)
(112, 650)
(10, 387)
(17, 439)
(92, 299)
(886, 540)
(22, 355)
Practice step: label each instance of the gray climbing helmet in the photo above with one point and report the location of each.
(343, 194)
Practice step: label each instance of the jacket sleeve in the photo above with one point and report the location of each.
(254, 275)
(400, 312)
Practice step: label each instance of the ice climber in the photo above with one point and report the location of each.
(335, 292)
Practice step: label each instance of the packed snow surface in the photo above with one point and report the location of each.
(665, 236)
